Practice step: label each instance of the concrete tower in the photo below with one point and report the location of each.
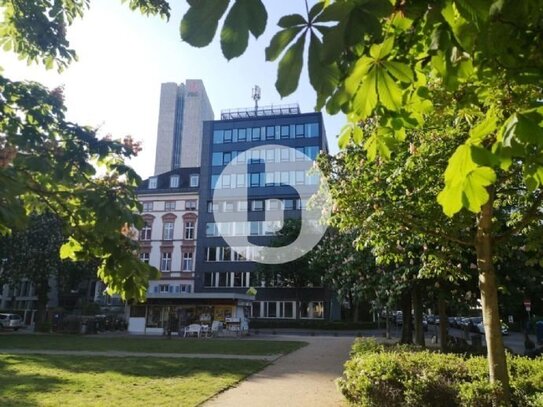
(183, 109)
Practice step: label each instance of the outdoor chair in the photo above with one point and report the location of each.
(193, 329)
(216, 327)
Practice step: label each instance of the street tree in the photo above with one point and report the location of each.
(373, 58)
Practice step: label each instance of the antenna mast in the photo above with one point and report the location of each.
(256, 96)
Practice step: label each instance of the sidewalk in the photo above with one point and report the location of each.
(304, 378)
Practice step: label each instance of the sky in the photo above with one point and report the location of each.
(124, 57)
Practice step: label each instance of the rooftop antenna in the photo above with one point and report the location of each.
(256, 96)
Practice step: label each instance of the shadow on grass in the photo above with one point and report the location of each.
(19, 389)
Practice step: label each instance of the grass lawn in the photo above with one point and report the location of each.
(53, 380)
(149, 344)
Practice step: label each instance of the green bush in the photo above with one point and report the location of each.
(378, 375)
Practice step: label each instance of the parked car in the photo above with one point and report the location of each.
(10, 321)
(481, 328)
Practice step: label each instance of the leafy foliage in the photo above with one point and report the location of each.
(48, 164)
(400, 376)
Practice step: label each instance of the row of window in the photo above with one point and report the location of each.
(270, 155)
(189, 205)
(248, 228)
(263, 179)
(227, 253)
(165, 266)
(167, 230)
(255, 205)
(175, 181)
(287, 309)
(288, 131)
(172, 288)
(236, 279)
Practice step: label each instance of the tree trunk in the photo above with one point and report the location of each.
(417, 314)
(407, 332)
(443, 322)
(42, 289)
(387, 323)
(497, 362)
(356, 312)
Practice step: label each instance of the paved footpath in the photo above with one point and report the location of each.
(304, 378)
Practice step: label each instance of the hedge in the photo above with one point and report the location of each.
(381, 376)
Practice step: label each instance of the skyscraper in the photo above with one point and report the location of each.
(183, 109)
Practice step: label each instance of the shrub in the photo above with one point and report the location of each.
(391, 376)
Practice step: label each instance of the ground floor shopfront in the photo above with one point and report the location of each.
(160, 315)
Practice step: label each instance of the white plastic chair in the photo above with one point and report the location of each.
(193, 329)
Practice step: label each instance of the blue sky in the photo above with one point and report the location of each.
(124, 57)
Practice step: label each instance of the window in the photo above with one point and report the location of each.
(226, 158)
(312, 130)
(228, 206)
(167, 231)
(300, 154)
(240, 228)
(190, 205)
(242, 134)
(174, 181)
(270, 156)
(187, 261)
(285, 154)
(185, 288)
(152, 183)
(272, 204)
(209, 280)
(255, 136)
(269, 179)
(242, 206)
(166, 261)
(218, 136)
(299, 130)
(144, 257)
(255, 157)
(312, 152)
(256, 309)
(145, 232)
(216, 159)
(194, 180)
(288, 204)
(212, 229)
(211, 254)
(285, 132)
(147, 206)
(189, 230)
(212, 207)
(257, 205)
(270, 133)
(300, 177)
(215, 182)
(227, 138)
(255, 179)
(312, 310)
(163, 288)
(169, 206)
(226, 181)
(240, 180)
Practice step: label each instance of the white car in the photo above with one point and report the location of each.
(10, 321)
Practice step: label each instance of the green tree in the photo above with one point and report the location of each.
(32, 254)
(373, 58)
(50, 164)
(295, 274)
